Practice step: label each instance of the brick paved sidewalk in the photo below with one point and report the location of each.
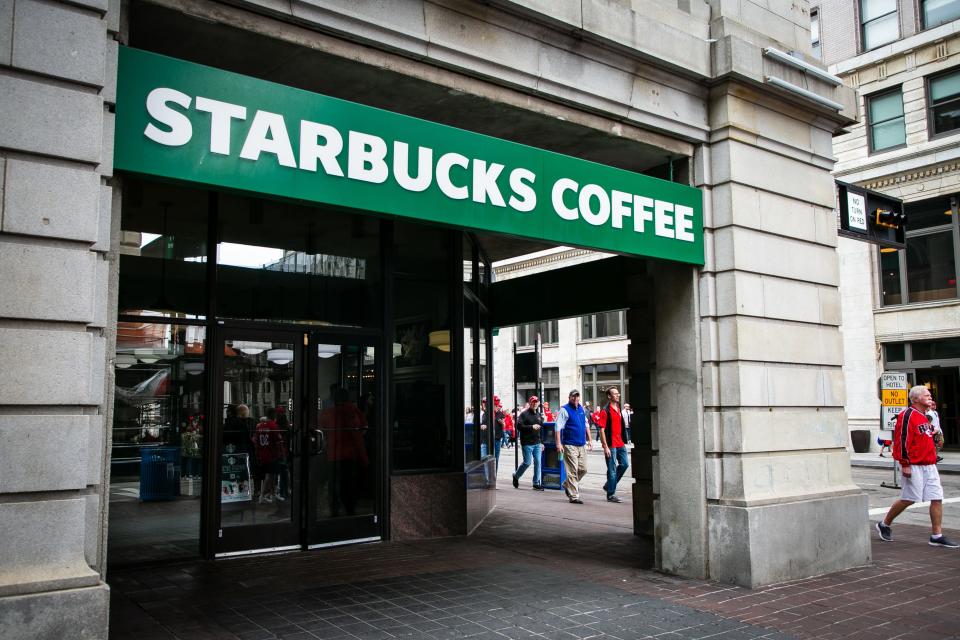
(513, 579)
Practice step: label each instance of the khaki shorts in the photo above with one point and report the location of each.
(922, 485)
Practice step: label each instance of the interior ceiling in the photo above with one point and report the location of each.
(180, 35)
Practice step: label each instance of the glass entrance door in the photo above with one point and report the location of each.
(298, 440)
(259, 442)
(343, 479)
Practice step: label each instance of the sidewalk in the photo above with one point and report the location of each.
(950, 463)
(537, 567)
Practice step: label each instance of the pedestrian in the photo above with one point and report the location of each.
(934, 418)
(628, 422)
(529, 424)
(499, 422)
(613, 438)
(547, 413)
(596, 420)
(573, 439)
(914, 449)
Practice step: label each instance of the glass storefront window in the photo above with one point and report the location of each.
(163, 251)
(931, 274)
(422, 434)
(890, 277)
(158, 431)
(472, 442)
(289, 263)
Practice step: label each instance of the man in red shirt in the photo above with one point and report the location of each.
(613, 438)
(915, 451)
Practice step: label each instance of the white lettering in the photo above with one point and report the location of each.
(180, 128)
(221, 113)
(603, 213)
(527, 200)
(311, 150)
(621, 207)
(446, 162)
(366, 159)
(663, 221)
(684, 216)
(559, 187)
(268, 134)
(643, 212)
(401, 167)
(485, 183)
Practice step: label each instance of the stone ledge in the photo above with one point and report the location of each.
(73, 614)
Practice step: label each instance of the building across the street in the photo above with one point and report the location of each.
(901, 308)
(249, 294)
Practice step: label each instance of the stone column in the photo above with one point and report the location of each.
(57, 78)
(781, 503)
(640, 370)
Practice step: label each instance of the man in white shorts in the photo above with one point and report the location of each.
(914, 449)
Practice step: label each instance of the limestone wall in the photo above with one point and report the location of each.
(57, 84)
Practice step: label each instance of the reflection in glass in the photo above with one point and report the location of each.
(159, 423)
(471, 399)
(886, 121)
(937, 12)
(258, 432)
(285, 262)
(931, 274)
(344, 438)
(163, 251)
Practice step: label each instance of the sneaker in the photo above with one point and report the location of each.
(576, 501)
(885, 531)
(943, 541)
(538, 487)
(516, 482)
(613, 499)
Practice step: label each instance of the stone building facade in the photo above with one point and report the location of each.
(901, 308)
(744, 414)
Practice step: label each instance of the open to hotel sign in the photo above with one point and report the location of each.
(189, 122)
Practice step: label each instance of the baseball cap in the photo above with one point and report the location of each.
(574, 392)
(533, 399)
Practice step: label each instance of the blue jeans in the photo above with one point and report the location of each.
(530, 452)
(616, 467)
(496, 448)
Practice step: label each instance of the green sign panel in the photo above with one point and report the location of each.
(190, 122)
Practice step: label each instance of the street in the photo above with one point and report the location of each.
(881, 498)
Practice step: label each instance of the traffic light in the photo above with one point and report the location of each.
(889, 218)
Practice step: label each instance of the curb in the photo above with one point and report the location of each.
(944, 467)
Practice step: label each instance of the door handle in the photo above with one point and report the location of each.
(319, 441)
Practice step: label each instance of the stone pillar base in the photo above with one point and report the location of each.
(81, 614)
(758, 546)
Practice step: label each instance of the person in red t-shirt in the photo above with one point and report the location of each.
(547, 414)
(613, 438)
(271, 452)
(914, 449)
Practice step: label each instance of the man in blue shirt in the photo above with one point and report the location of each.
(573, 439)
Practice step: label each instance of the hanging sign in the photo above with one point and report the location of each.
(893, 397)
(185, 121)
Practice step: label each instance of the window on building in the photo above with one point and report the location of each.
(878, 20)
(938, 12)
(815, 33)
(943, 100)
(603, 325)
(947, 349)
(551, 387)
(597, 378)
(527, 333)
(927, 269)
(885, 121)
(895, 352)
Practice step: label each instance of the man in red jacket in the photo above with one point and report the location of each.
(914, 448)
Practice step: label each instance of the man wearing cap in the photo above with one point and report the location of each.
(528, 424)
(573, 438)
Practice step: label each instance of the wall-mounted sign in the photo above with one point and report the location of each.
(189, 122)
(856, 211)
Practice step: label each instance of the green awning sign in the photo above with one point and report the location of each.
(194, 123)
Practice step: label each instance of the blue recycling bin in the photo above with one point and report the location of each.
(552, 470)
(159, 473)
